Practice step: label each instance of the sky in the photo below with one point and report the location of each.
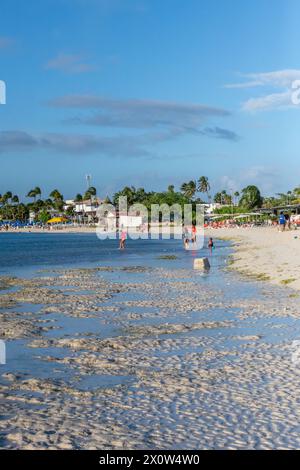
(149, 93)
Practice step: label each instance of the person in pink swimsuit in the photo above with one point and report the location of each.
(123, 239)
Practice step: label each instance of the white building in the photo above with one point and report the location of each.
(210, 208)
(113, 220)
(31, 216)
(87, 209)
(69, 203)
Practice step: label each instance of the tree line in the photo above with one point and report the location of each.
(191, 192)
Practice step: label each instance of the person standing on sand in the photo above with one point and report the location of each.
(123, 239)
(287, 222)
(282, 222)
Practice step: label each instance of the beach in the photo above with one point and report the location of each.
(264, 253)
(137, 350)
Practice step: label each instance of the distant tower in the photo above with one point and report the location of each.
(88, 180)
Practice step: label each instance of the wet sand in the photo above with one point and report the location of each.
(134, 357)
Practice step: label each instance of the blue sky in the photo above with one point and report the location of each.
(148, 93)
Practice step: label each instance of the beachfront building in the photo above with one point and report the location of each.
(31, 217)
(111, 221)
(210, 208)
(86, 210)
(69, 204)
(291, 208)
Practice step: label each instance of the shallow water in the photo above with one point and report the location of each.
(33, 255)
(172, 332)
(29, 251)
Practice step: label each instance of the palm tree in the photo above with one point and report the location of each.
(189, 189)
(78, 197)
(218, 198)
(32, 194)
(15, 199)
(129, 192)
(297, 191)
(37, 191)
(236, 195)
(58, 199)
(92, 190)
(251, 197)
(90, 193)
(48, 203)
(6, 197)
(56, 195)
(204, 186)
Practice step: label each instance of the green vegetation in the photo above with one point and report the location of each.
(238, 202)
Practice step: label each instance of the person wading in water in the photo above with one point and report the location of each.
(123, 239)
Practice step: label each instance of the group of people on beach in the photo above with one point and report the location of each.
(189, 236)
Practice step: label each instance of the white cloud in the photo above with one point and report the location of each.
(280, 80)
(267, 102)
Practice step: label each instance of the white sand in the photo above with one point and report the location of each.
(265, 253)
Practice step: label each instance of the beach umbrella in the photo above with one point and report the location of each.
(57, 220)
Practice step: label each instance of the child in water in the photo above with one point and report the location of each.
(210, 244)
(186, 243)
(186, 240)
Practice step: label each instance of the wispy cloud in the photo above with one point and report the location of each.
(269, 102)
(69, 63)
(151, 123)
(124, 146)
(280, 80)
(266, 178)
(178, 118)
(220, 133)
(74, 144)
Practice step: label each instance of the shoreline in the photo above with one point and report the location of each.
(264, 254)
(261, 253)
(61, 230)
